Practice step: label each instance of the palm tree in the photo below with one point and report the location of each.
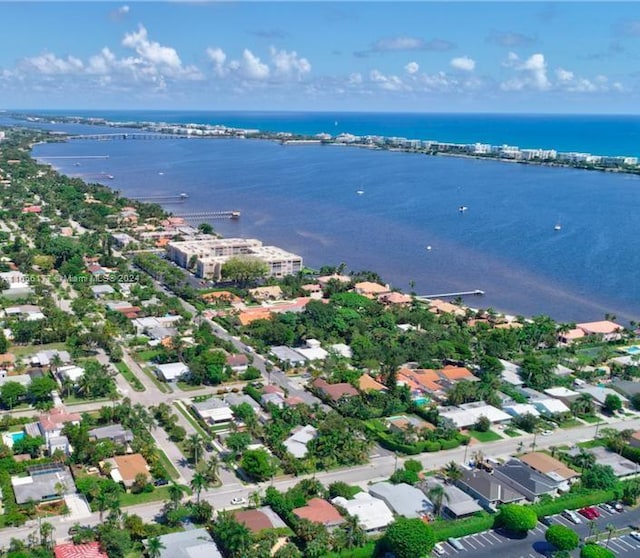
(194, 445)
(610, 527)
(175, 493)
(154, 547)
(584, 460)
(438, 495)
(199, 483)
(46, 532)
(210, 468)
(255, 498)
(452, 472)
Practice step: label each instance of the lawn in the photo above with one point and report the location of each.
(184, 386)
(592, 444)
(191, 420)
(571, 423)
(74, 400)
(158, 494)
(591, 419)
(162, 386)
(129, 376)
(489, 436)
(169, 467)
(511, 432)
(23, 350)
(146, 356)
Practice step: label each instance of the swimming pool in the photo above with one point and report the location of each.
(633, 350)
(17, 436)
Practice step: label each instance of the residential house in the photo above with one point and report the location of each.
(550, 407)
(521, 409)
(404, 423)
(340, 349)
(367, 383)
(524, 479)
(193, 543)
(273, 395)
(395, 299)
(44, 358)
(605, 330)
(551, 467)
(44, 483)
(7, 362)
(489, 490)
(403, 499)
(26, 312)
(266, 293)
(510, 373)
(114, 432)
(465, 416)
(599, 395)
(567, 396)
(259, 519)
(457, 503)
(334, 392)
(101, 291)
(288, 356)
(213, 410)
(125, 468)
(296, 444)
(172, 371)
(326, 279)
(221, 297)
(51, 424)
(70, 372)
(318, 510)
(312, 351)
(237, 362)
(235, 399)
(84, 550)
(372, 513)
(438, 306)
(370, 289)
(18, 284)
(622, 467)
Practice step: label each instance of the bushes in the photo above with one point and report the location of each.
(409, 538)
(563, 538)
(591, 550)
(517, 518)
(482, 521)
(574, 500)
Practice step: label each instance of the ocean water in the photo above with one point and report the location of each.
(304, 199)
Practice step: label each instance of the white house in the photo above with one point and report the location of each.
(372, 513)
(468, 414)
(550, 406)
(71, 372)
(172, 371)
(296, 444)
(213, 410)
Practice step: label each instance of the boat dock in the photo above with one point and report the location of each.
(165, 199)
(448, 295)
(210, 215)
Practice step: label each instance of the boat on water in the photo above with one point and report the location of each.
(462, 208)
(184, 195)
(557, 227)
(359, 192)
(109, 176)
(429, 248)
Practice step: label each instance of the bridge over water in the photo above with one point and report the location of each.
(129, 136)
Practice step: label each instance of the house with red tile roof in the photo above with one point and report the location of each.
(367, 383)
(32, 209)
(52, 423)
(605, 330)
(86, 550)
(320, 511)
(370, 289)
(457, 373)
(334, 391)
(397, 299)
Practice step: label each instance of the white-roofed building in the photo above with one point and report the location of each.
(312, 351)
(403, 499)
(71, 372)
(341, 350)
(172, 371)
(213, 410)
(550, 406)
(468, 414)
(372, 513)
(510, 373)
(521, 409)
(567, 396)
(599, 395)
(296, 444)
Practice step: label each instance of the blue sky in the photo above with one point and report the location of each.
(564, 57)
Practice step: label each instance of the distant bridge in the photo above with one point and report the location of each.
(210, 215)
(133, 136)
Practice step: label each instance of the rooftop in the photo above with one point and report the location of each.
(547, 465)
(319, 511)
(373, 514)
(194, 543)
(86, 550)
(403, 499)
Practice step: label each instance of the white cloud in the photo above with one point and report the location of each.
(50, 64)
(152, 51)
(412, 68)
(532, 73)
(289, 63)
(355, 78)
(564, 75)
(463, 63)
(218, 57)
(251, 66)
(123, 10)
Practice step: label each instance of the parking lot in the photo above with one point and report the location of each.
(623, 545)
(490, 544)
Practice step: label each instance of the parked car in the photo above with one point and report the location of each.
(635, 535)
(547, 432)
(617, 506)
(571, 516)
(589, 512)
(546, 521)
(608, 507)
(439, 549)
(238, 501)
(455, 543)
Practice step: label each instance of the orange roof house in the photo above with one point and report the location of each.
(32, 209)
(438, 306)
(334, 391)
(319, 511)
(456, 373)
(367, 383)
(420, 378)
(335, 277)
(254, 520)
(125, 468)
(86, 550)
(370, 290)
(7, 360)
(253, 314)
(605, 330)
(226, 297)
(398, 299)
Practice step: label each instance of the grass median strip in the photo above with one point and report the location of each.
(160, 385)
(169, 467)
(128, 375)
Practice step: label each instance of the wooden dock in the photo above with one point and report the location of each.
(210, 215)
(448, 295)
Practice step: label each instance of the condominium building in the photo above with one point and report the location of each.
(209, 255)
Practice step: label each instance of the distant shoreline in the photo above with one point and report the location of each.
(504, 153)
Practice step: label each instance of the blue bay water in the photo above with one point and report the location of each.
(304, 199)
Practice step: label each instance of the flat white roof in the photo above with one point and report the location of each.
(561, 392)
(463, 417)
(373, 514)
(172, 370)
(520, 409)
(551, 405)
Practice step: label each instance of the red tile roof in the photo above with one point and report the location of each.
(319, 511)
(335, 391)
(87, 550)
(57, 417)
(254, 520)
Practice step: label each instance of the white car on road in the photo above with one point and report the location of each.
(238, 501)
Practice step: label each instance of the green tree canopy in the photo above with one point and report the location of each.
(244, 270)
(612, 403)
(409, 538)
(258, 464)
(563, 538)
(599, 477)
(514, 517)
(591, 550)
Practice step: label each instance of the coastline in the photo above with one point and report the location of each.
(480, 151)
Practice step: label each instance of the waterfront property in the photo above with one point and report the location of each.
(209, 254)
